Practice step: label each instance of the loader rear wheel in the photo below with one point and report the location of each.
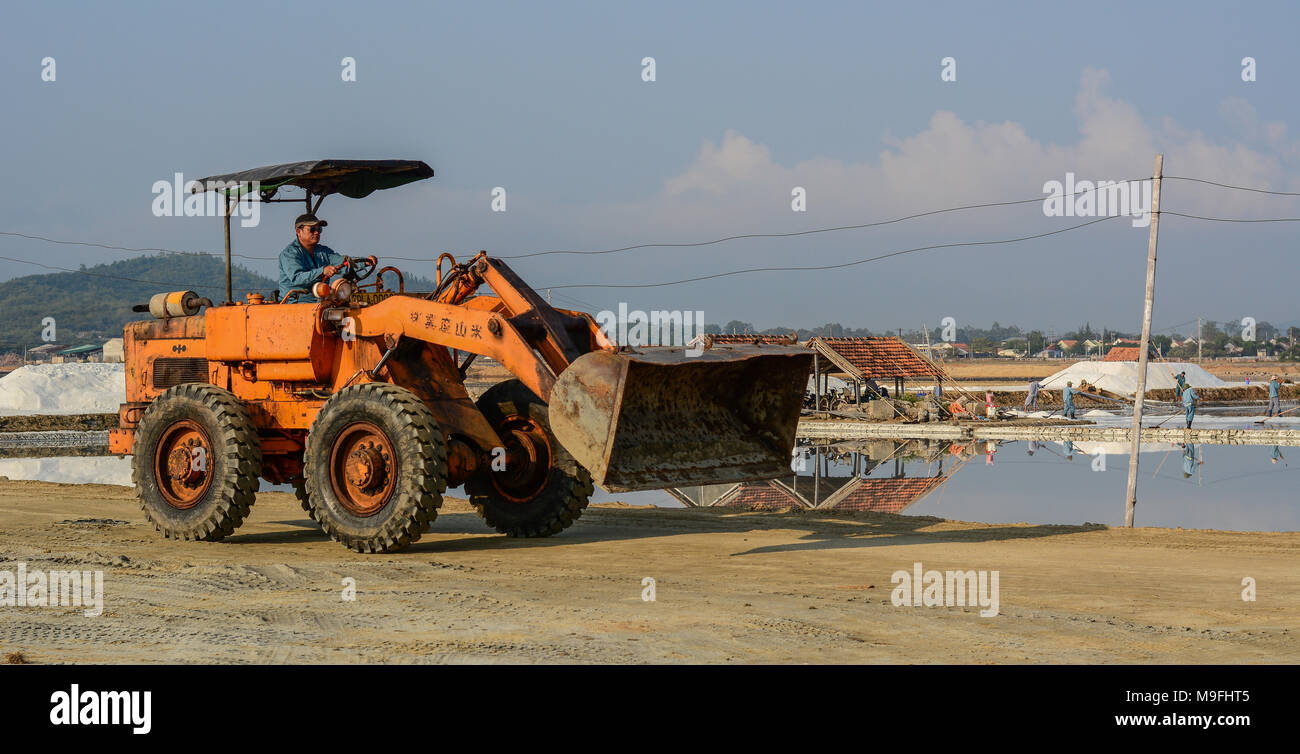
(542, 490)
(196, 462)
(375, 467)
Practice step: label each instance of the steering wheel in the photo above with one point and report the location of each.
(356, 270)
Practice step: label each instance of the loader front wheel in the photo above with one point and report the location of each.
(196, 462)
(541, 490)
(375, 467)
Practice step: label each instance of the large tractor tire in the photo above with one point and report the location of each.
(375, 467)
(196, 462)
(542, 490)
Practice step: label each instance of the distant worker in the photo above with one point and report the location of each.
(1274, 397)
(873, 389)
(1067, 396)
(1182, 384)
(1189, 403)
(1031, 400)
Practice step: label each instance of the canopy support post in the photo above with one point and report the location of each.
(226, 199)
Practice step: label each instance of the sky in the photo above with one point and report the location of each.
(749, 101)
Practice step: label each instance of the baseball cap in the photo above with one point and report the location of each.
(308, 219)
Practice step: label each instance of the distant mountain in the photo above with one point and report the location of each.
(92, 305)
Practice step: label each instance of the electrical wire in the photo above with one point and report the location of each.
(1225, 185)
(116, 277)
(702, 243)
(127, 248)
(1232, 219)
(837, 266)
(804, 232)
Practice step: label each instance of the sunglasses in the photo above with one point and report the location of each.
(310, 228)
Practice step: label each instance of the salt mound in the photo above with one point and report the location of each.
(63, 389)
(1121, 376)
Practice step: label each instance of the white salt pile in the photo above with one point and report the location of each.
(63, 389)
(1121, 376)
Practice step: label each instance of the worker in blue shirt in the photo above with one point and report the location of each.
(307, 260)
(1182, 384)
(1189, 403)
(1274, 397)
(1067, 395)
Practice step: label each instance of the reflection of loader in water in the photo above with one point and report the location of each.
(359, 400)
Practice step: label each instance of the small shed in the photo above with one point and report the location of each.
(87, 352)
(871, 358)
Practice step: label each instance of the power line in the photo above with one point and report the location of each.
(804, 232)
(715, 241)
(843, 264)
(114, 277)
(1225, 185)
(1233, 219)
(126, 248)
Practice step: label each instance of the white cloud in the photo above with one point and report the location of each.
(737, 185)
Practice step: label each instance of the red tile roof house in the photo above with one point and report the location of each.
(1127, 353)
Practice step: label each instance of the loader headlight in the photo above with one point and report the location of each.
(321, 290)
(343, 289)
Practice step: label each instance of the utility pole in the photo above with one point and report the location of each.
(1198, 340)
(1144, 346)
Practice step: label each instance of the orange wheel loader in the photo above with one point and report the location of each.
(358, 399)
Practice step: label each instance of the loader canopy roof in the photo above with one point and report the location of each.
(352, 178)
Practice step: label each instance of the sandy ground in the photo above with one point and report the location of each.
(730, 587)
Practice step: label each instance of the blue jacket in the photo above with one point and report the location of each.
(1189, 397)
(300, 268)
(1273, 386)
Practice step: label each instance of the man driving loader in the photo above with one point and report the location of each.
(307, 260)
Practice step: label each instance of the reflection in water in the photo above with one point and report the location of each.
(1243, 487)
(859, 476)
(1057, 482)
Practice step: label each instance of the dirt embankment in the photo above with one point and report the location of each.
(729, 586)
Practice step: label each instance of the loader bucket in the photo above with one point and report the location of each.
(657, 418)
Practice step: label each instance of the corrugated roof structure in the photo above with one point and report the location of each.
(872, 358)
